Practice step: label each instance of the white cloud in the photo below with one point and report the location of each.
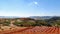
(33, 4)
(36, 3)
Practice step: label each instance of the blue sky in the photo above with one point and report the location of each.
(26, 8)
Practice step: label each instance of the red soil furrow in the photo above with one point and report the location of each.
(53, 30)
(49, 31)
(37, 30)
(20, 30)
(16, 31)
(59, 30)
(45, 30)
(56, 30)
(28, 31)
(42, 30)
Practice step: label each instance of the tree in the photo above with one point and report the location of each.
(29, 23)
(7, 23)
(40, 22)
(18, 23)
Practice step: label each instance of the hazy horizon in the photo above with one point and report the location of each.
(25, 8)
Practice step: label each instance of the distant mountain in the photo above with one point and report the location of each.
(41, 17)
(33, 17)
(9, 17)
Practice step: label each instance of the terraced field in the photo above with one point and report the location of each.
(34, 30)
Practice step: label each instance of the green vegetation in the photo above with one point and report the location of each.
(26, 22)
(18, 23)
(6, 23)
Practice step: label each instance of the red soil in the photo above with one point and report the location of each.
(35, 30)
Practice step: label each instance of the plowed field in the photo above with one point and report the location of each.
(34, 30)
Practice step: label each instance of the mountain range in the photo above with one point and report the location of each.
(41, 17)
(33, 17)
